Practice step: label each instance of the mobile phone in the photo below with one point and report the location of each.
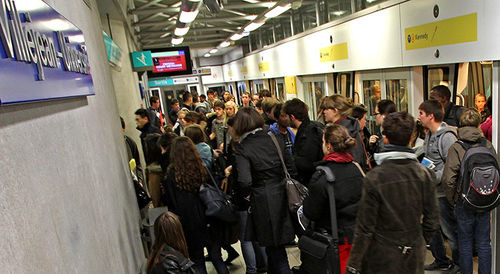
(428, 163)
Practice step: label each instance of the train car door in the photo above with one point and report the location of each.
(314, 90)
(280, 89)
(392, 84)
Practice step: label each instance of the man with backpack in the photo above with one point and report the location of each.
(473, 196)
(438, 140)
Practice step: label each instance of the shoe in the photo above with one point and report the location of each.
(291, 244)
(231, 257)
(452, 269)
(435, 266)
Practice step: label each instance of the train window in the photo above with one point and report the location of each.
(397, 91)
(437, 76)
(314, 91)
(342, 84)
(280, 91)
(371, 96)
(478, 82)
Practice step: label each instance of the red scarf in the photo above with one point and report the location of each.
(339, 157)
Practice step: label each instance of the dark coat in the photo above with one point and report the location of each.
(352, 126)
(452, 114)
(261, 175)
(396, 194)
(191, 212)
(153, 118)
(307, 149)
(347, 190)
(172, 262)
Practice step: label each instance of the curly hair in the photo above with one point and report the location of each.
(186, 163)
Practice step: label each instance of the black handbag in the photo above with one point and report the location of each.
(295, 191)
(143, 198)
(217, 203)
(319, 251)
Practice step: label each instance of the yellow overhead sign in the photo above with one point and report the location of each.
(264, 66)
(333, 53)
(244, 70)
(230, 73)
(455, 30)
(291, 84)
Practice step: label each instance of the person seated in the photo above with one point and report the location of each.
(169, 253)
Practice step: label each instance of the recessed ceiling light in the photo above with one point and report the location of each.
(177, 40)
(207, 54)
(212, 51)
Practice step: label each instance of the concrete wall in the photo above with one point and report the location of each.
(67, 202)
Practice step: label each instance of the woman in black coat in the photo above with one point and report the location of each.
(260, 178)
(186, 174)
(347, 188)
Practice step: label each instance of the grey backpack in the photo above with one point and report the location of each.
(479, 177)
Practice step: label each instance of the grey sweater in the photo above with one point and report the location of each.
(436, 148)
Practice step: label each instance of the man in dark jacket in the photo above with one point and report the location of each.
(307, 148)
(398, 208)
(452, 112)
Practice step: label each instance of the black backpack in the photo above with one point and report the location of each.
(479, 177)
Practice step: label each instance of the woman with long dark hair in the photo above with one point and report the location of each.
(260, 177)
(169, 252)
(185, 175)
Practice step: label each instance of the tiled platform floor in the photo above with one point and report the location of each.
(238, 265)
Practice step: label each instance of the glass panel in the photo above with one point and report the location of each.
(371, 96)
(308, 99)
(363, 4)
(338, 9)
(297, 22)
(309, 16)
(437, 76)
(280, 88)
(343, 83)
(319, 92)
(323, 12)
(397, 91)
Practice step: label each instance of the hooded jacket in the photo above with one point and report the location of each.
(454, 159)
(452, 114)
(206, 154)
(436, 148)
(352, 126)
(274, 129)
(396, 194)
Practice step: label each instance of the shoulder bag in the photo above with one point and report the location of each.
(319, 251)
(295, 191)
(218, 204)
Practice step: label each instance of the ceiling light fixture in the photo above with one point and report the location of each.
(207, 55)
(212, 51)
(253, 26)
(252, 1)
(177, 40)
(188, 16)
(181, 31)
(225, 44)
(339, 12)
(278, 10)
(236, 36)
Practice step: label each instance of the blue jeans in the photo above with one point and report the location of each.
(472, 225)
(277, 260)
(449, 228)
(247, 247)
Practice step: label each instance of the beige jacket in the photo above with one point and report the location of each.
(454, 159)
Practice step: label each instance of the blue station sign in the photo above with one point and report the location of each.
(42, 55)
(142, 60)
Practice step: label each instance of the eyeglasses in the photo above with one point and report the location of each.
(376, 113)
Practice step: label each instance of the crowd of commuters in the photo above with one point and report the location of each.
(406, 202)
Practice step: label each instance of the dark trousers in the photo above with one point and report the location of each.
(473, 226)
(277, 260)
(449, 228)
(214, 252)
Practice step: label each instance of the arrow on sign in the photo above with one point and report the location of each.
(142, 59)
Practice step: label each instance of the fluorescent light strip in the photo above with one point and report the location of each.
(276, 11)
(207, 55)
(212, 51)
(225, 44)
(177, 40)
(188, 16)
(253, 26)
(181, 31)
(236, 36)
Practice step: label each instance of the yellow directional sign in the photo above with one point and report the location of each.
(291, 84)
(333, 53)
(264, 66)
(455, 30)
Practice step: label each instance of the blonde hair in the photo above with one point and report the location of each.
(232, 104)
